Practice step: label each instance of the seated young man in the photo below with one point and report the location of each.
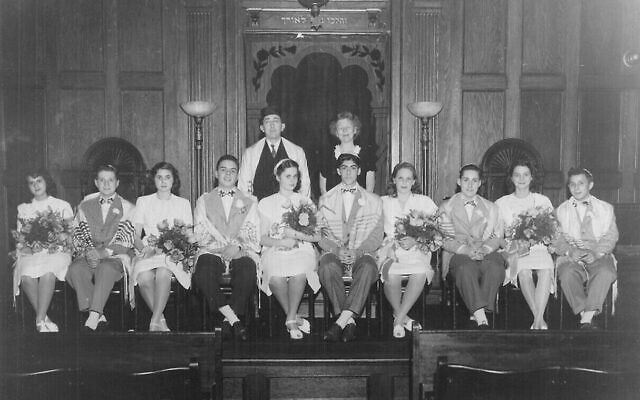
(355, 228)
(226, 222)
(105, 238)
(588, 236)
(471, 246)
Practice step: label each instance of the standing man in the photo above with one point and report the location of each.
(104, 239)
(474, 236)
(354, 231)
(256, 171)
(588, 236)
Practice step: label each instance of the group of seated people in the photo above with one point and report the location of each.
(241, 232)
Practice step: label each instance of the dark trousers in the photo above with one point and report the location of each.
(478, 281)
(209, 270)
(365, 274)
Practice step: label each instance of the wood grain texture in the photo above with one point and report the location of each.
(599, 129)
(540, 125)
(485, 27)
(542, 36)
(482, 123)
(81, 35)
(81, 123)
(142, 123)
(140, 35)
(600, 46)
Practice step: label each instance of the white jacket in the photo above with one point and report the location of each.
(251, 158)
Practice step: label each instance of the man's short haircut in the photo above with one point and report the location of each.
(470, 167)
(107, 167)
(347, 157)
(579, 171)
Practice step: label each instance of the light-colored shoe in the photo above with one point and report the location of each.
(163, 324)
(409, 324)
(42, 327)
(294, 329)
(153, 327)
(303, 325)
(398, 331)
(51, 326)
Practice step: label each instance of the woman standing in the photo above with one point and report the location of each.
(151, 271)
(346, 128)
(288, 258)
(527, 259)
(403, 257)
(36, 272)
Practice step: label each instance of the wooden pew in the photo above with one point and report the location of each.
(118, 352)
(512, 350)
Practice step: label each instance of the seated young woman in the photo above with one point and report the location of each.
(402, 257)
(152, 272)
(527, 260)
(36, 271)
(288, 259)
(227, 226)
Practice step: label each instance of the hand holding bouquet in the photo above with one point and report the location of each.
(536, 225)
(178, 243)
(302, 218)
(48, 230)
(423, 228)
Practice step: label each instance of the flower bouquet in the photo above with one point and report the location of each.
(48, 230)
(537, 225)
(178, 243)
(302, 218)
(423, 228)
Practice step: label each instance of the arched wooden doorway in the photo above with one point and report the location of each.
(311, 79)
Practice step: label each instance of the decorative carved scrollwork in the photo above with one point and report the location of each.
(375, 60)
(262, 60)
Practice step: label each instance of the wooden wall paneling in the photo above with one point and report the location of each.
(515, 21)
(542, 32)
(485, 24)
(140, 35)
(450, 119)
(482, 123)
(143, 123)
(600, 46)
(541, 125)
(200, 39)
(421, 75)
(235, 91)
(571, 68)
(81, 35)
(629, 146)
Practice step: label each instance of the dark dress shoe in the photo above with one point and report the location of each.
(588, 326)
(240, 331)
(483, 327)
(349, 333)
(227, 330)
(103, 326)
(333, 334)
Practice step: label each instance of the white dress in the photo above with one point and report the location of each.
(36, 265)
(412, 261)
(281, 262)
(510, 206)
(150, 211)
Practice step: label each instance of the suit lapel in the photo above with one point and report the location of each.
(215, 209)
(93, 213)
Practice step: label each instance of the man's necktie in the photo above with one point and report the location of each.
(108, 201)
(471, 203)
(273, 150)
(229, 193)
(351, 190)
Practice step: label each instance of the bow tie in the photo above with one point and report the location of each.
(230, 193)
(103, 200)
(585, 203)
(471, 203)
(345, 190)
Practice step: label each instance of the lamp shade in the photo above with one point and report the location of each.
(197, 108)
(424, 109)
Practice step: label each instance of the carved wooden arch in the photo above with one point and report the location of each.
(121, 154)
(498, 159)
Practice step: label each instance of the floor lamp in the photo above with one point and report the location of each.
(425, 110)
(198, 110)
